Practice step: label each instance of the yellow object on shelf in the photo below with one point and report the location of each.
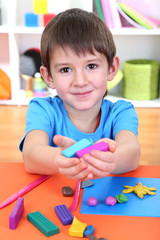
(77, 228)
(115, 81)
(40, 6)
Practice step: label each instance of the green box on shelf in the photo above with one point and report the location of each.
(141, 79)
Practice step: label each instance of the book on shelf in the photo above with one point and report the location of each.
(99, 10)
(117, 14)
(127, 21)
(111, 14)
(156, 22)
(136, 16)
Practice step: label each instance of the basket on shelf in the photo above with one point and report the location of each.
(141, 79)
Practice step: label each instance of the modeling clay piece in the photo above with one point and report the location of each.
(77, 228)
(101, 146)
(140, 190)
(86, 183)
(71, 151)
(89, 230)
(67, 191)
(92, 201)
(43, 224)
(91, 237)
(63, 214)
(16, 214)
(102, 239)
(121, 198)
(111, 201)
(74, 204)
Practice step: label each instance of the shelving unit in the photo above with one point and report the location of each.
(15, 39)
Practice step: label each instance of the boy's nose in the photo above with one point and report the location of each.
(80, 79)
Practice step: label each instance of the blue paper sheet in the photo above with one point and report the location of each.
(149, 206)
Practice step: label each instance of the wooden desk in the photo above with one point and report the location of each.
(47, 195)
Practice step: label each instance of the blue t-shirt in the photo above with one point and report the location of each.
(49, 115)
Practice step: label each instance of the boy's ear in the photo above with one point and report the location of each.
(113, 68)
(47, 77)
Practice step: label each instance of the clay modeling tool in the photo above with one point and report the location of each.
(23, 191)
(73, 207)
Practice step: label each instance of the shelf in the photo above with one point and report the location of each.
(28, 30)
(22, 100)
(117, 31)
(155, 103)
(135, 31)
(4, 29)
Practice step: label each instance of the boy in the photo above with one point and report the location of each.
(78, 58)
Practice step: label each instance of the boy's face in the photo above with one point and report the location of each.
(80, 81)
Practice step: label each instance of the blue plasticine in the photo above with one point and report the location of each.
(43, 224)
(63, 214)
(89, 230)
(71, 151)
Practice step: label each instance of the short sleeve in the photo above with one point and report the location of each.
(125, 117)
(37, 118)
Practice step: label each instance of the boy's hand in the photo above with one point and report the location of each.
(70, 167)
(102, 163)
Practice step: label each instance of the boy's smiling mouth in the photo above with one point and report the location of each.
(82, 94)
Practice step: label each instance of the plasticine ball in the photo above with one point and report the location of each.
(92, 201)
(111, 201)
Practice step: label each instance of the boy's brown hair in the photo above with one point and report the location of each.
(79, 30)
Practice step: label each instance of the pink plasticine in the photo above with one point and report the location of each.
(111, 201)
(101, 146)
(92, 201)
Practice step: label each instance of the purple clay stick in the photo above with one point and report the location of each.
(16, 214)
(63, 214)
(101, 146)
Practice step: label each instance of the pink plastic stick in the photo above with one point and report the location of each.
(23, 191)
(73, 207)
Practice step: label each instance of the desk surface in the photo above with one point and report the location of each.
(47, 195)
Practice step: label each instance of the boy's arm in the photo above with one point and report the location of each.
(37, 154)
(128, 151)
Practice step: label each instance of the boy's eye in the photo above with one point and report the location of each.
(92, 66)
(65, 70)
